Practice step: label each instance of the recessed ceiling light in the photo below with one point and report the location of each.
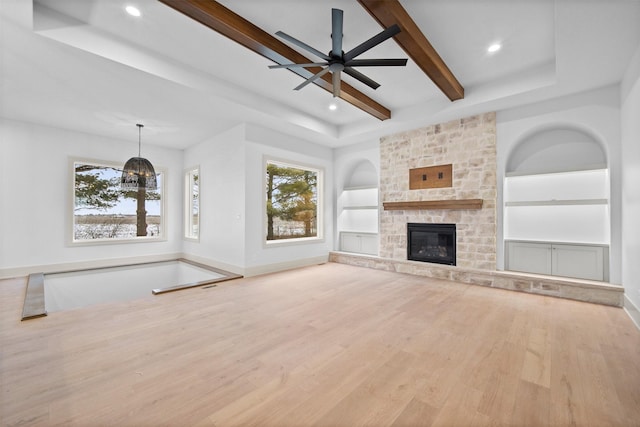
(494, 48)
(133, 11)
(333, 107)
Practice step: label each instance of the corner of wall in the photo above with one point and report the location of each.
(631, 76)
(632, 310)
(630, 165)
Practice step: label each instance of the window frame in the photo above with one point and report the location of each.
(319, 203)
(188, 204)
(72, 241)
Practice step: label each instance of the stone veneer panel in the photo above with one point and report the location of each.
(469, 144)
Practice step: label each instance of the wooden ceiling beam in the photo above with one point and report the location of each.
(415, 44)
(217, 17)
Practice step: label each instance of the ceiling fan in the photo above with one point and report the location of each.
(337, 60)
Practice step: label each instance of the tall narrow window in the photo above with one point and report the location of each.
(102, 211)
(293, 202)
(192, 204)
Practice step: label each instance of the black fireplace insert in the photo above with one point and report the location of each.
(432, 243)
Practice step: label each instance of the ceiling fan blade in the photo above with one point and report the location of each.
(312, 78)
(372, 42)
(376, 63)
(313, 64)
(303, 45)
(336, 84)
(361, 77)
(336, 33)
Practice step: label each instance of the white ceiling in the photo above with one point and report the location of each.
(87, 65)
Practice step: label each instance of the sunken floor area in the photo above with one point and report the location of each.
(328, 345)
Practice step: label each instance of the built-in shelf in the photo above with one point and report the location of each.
(558, 202)
(358, 213)
(361, 187)
(359, 207)
(566, 206)
(433, 204)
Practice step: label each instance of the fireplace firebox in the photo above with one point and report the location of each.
(432, 243)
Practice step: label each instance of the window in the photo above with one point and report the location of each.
(293, 202)
(102, 212)
(192, 203)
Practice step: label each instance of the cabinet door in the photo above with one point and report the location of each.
(369, 244)
(529, 257)
(581, 262)
(349, 242)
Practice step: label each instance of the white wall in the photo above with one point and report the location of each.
(630, 130)
(596, 113)
(222, 202)
(36, 196)
(36, 199)
(232, 215)
(261, 143)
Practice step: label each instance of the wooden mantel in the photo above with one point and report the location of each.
(433, 204)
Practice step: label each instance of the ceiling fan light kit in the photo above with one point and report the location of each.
(337, 61)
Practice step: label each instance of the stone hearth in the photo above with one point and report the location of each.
(561, 287)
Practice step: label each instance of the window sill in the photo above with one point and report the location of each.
(292, 242)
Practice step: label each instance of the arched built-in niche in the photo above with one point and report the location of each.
(556, 150)
(362, 174)
(358, 210)
(556, 205)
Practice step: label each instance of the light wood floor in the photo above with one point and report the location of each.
(329, 345)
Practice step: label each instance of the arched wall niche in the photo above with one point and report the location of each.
(556, 215)
(362, 174)
(556, 149)
(358, 209)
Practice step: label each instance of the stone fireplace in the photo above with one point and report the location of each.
(469, 202)
(469, 145)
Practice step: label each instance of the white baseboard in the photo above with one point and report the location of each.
(288, 265)
(213, 263)
(7, 273)
(632, 311)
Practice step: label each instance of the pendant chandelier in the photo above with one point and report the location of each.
(138, 172)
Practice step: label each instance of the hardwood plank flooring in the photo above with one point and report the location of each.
(328, 345)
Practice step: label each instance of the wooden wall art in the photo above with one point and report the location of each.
(431, 177)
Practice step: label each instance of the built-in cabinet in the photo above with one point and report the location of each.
(358, 220)
(581, 261)
(362, 243)
(558, 223)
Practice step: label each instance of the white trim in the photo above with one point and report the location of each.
(357, 208)
(7, 273)
(288, 265)
(320, 191)
(595, 166)
(213, 263)
(361, 187)
(294, 241)
(187, 201)
(632, 311)
(69, 235)
(558, 202)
